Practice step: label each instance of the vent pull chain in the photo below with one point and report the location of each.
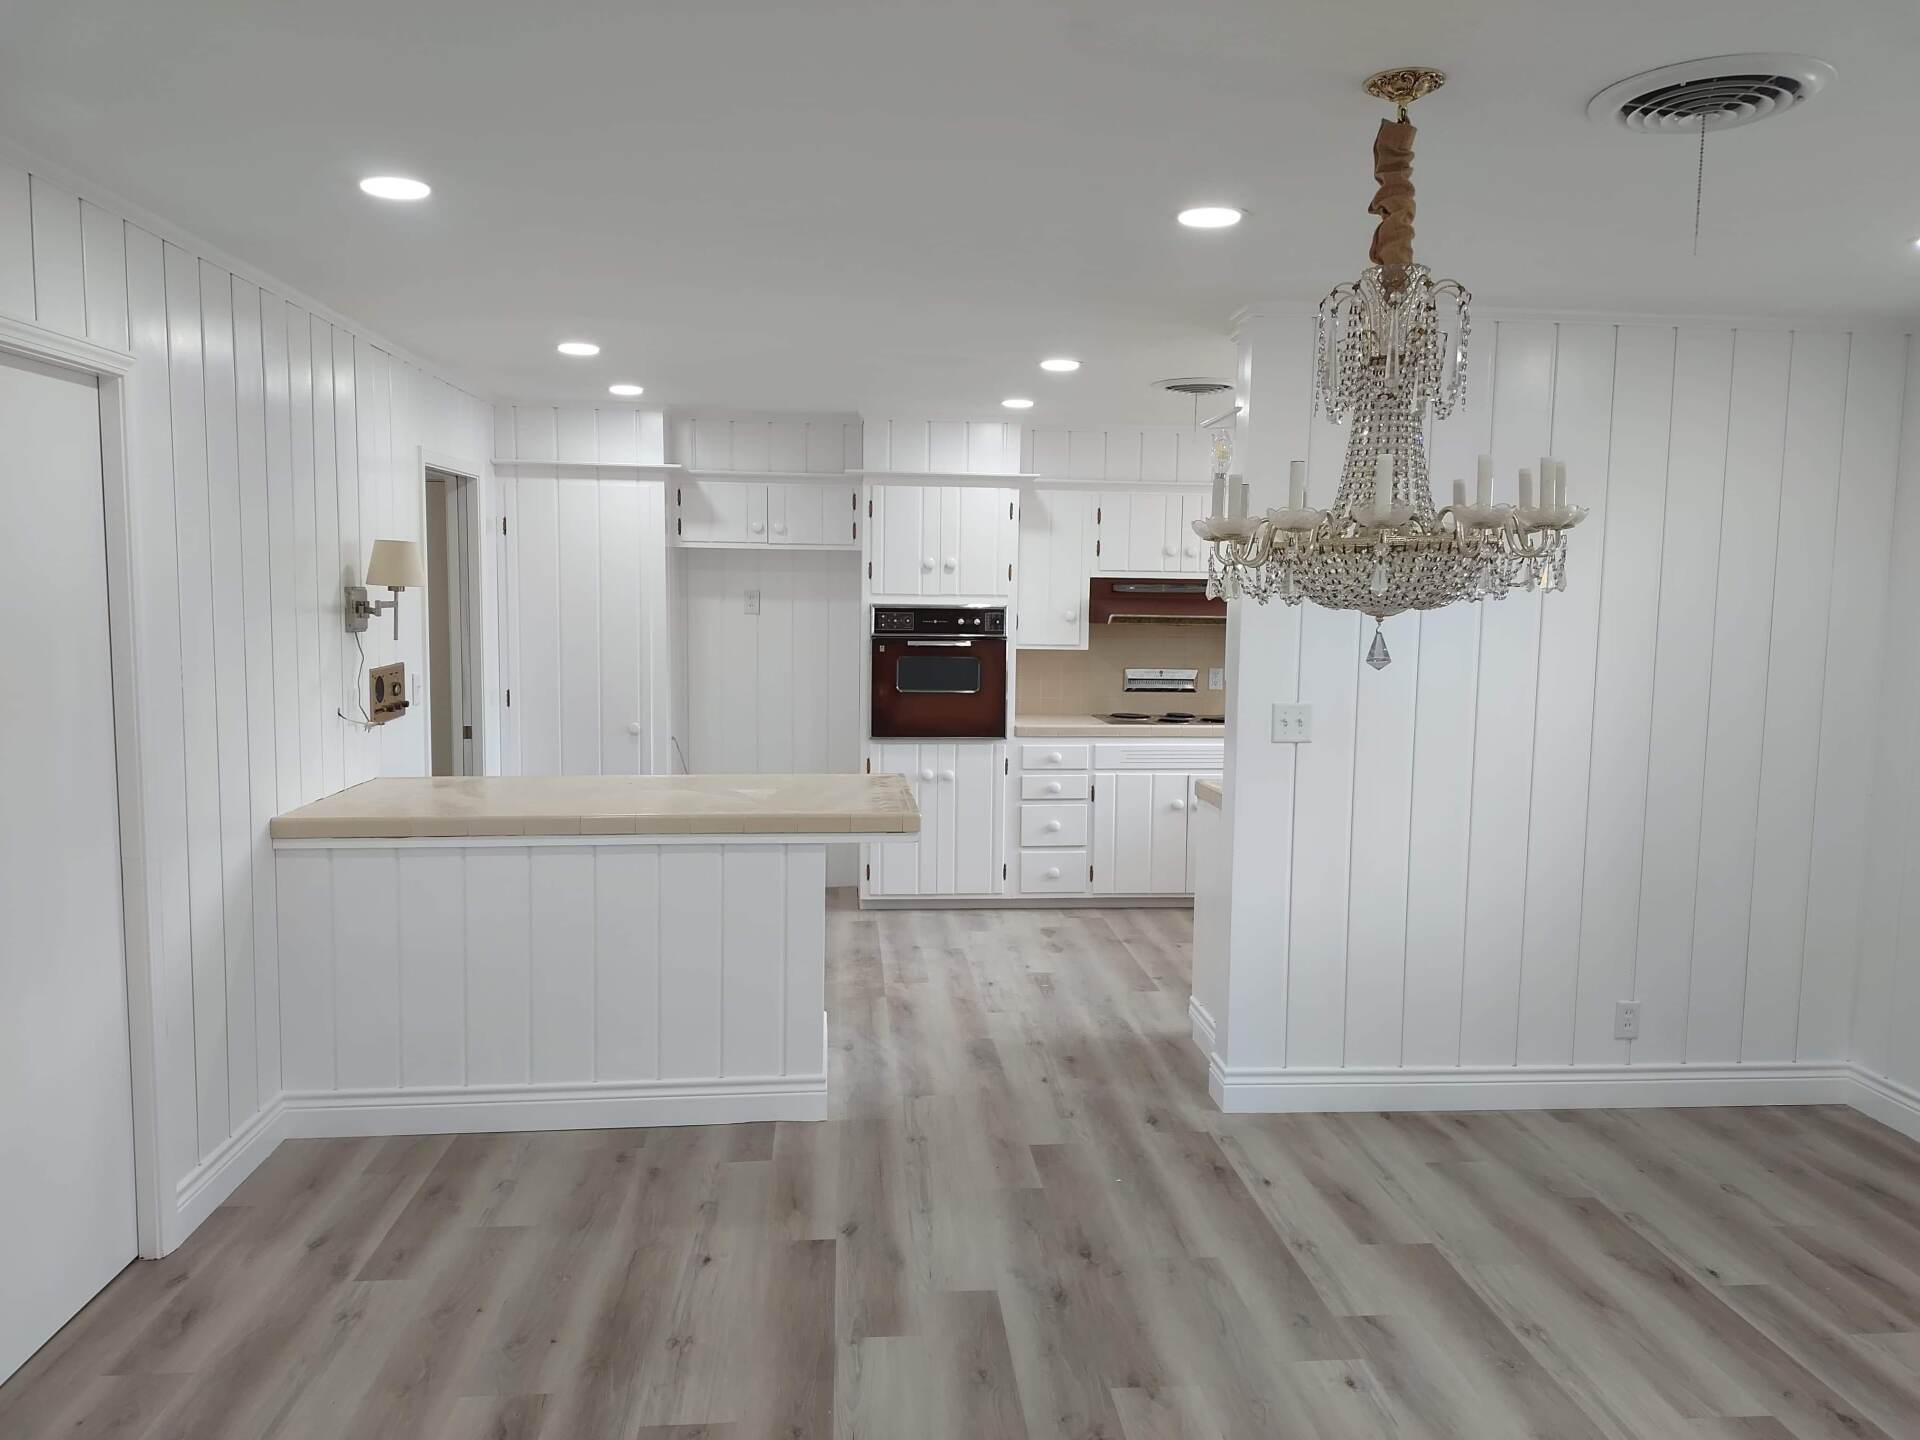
(1700, 184)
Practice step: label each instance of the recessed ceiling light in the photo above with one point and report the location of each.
(625, 389)
(395, 187)
(1209, 217)
(578, 347)
(1060, 364)
(1016, 402)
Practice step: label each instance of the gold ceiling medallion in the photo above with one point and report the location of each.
(1402, 86)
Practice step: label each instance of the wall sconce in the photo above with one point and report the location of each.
(395, 565)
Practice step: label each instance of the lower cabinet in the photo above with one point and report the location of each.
(960, 786)
(1140, 832)
(1108, 818)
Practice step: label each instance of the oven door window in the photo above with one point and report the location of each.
(937, 675)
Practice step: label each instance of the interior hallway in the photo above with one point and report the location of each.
(1026, 1219)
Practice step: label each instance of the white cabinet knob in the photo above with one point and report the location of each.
(1053, 787)
(1167, 551)
(1052, 826)
(780, 529)
(926, 562)
(1053, 757)
(951, 565)
(946, 775)
(1176, 804)
(1053, 872)
(1072, 615)
(758, 526)
(926, 774)
(633, 727)
(1191, 552)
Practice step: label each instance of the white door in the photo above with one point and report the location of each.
(903, 560)
(1140, 832)
(66, 1092)
(1193, 506)
(1052, 570)
(722, 511)
(897, 869)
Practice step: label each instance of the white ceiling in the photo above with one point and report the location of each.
(902, 207)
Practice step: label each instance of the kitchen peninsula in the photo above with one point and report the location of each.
(512, 953)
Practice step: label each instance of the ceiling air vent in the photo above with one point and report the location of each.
(1721, 91)
(1195, 385)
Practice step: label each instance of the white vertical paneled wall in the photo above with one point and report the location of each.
(1163, 455)
(941, 447)
(780, 444)
(1885, 666)
(267, 448)
(1653, 786)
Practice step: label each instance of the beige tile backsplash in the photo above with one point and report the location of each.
(1088, 682)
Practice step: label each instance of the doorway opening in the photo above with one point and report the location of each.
(453, 569)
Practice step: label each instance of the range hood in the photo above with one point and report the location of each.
(1153, 602)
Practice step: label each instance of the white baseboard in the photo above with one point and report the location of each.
(1200, 1023)
(205, 1188)
(1508, 1087)
(1893, 1104)
(479, 1109)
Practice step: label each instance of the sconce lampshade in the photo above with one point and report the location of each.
(396, 565)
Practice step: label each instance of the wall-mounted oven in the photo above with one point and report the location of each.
(939, 672)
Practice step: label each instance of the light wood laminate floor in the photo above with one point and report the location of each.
(1025, 1219)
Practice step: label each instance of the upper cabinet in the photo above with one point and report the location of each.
(1149, 532)
(942, 540)
(1056, 550)
(736, 512)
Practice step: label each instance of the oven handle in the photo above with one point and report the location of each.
(945, 644)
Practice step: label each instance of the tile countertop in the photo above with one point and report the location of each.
(1208, 792)
(438, 806)
(1038, 726)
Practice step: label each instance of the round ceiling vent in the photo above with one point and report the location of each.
(1193, 385)
(1719, 92)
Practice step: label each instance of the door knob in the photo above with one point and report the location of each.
(1167, 551)
(1053, 787)
(757, 526)
(927, 563)
(779, 529)
(633, 727)
(1072, 615)
(952, 564)
(926, 774)
(946, 774)
(1052, 826)
(1177, 805)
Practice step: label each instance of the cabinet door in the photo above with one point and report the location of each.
(1193, 832)
(717, 510)
(898, 869)
(1122, 832)
(903, 562)
(1193, 560)
(1051, 573)
(839, 514)
(985, 544)
(1167, 867)
(1148, 535)
(971, 786)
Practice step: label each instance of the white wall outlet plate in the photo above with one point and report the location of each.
(1626, 1020)
(753, 602)
(1217, 678)
(1292, 724)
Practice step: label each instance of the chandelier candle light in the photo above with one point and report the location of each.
(1388, 347)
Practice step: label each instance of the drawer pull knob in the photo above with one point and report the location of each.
(1052, 825)
(1054, 787)
(1053, 757)
(1053, 872)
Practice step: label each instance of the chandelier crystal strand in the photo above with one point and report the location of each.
(1390, 348)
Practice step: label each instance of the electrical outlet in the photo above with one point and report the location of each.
(1626, 1020)
(1217, 678)
(1292, 724)
(753, 602)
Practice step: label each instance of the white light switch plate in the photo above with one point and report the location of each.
(753, 602)
(1292, 724)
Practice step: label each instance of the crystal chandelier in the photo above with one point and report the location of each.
(1389, 346)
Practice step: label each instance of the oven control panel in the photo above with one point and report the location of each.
(939, 620)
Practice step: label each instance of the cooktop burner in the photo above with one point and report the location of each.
(1170, 717)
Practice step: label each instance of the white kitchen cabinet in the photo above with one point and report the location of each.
(942, 540)
(736, 512)
(1140, 832)
(1056, 554)
(960, 788)
(1195, 848)
(1149, 532)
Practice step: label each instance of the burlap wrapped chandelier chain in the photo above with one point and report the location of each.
(1389, 346)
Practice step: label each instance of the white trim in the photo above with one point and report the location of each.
(1893, 1104)
(1200, 1025)
(947, 477)
(584, 466)
(1081, 901)
(478, 1109)
(524, 842)
(207, 1186)
(1250, 1090)
(55, 347)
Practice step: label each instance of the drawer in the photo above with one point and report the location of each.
(1053, 872)
(1053, 824)
(1053, 787)
(1054, 757)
